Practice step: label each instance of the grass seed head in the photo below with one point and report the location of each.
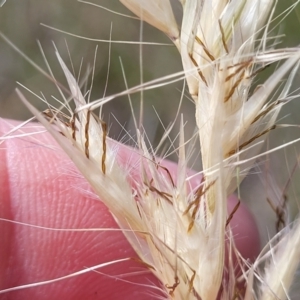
(180, 235)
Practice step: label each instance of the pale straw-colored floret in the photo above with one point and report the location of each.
(283, 261)
(178, 234)
(221, 55)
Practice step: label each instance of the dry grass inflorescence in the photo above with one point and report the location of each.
(182, 234)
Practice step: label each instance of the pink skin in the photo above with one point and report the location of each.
(39, 186)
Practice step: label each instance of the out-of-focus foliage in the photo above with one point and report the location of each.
(2, 2)
(21, 22)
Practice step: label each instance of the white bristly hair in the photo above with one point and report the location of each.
(180, 235)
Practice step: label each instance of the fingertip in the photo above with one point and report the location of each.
(244, 229)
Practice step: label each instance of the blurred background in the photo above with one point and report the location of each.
(20, 21)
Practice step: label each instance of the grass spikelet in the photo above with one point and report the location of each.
(282, 265)
(181, 235)
(221, 56)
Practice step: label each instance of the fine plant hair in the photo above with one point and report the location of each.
(180, 233)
